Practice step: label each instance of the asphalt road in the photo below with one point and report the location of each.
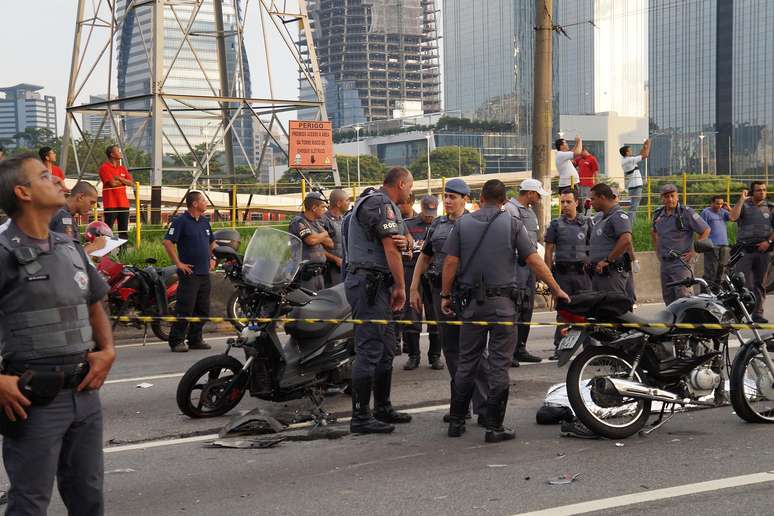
(158, 462)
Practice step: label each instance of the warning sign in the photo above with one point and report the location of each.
(311, 144)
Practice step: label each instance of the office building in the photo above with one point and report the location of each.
(25, 108)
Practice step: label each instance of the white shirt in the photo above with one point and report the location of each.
(564, 165)
(632, 179)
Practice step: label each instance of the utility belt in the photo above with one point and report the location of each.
(40, 382)
(570, 267)
(313, 270)
(375, 280)
(619, 266)
(752, 248)
(463, 295)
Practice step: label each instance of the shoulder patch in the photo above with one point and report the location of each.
(696, 216)
(389, 212)
(171, 230)
(623, 216)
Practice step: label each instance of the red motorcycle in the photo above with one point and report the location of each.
(134, 291)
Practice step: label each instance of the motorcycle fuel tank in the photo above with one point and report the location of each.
(701, 309)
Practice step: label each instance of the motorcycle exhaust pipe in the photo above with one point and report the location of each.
(640, 390)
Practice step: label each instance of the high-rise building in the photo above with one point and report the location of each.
(378, 59)
(711, 85)
(99, 126)
(22, 108)
(194, 71)
(602, 64)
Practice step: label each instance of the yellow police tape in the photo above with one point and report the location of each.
(408, 322)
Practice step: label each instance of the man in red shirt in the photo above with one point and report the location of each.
(587, 166)
(48, 157)
(115, 178)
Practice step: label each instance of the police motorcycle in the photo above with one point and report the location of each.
(620, 373)
(317, 355)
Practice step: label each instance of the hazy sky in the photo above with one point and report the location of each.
(37, 42)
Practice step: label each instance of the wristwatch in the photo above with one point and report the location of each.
(445, 295)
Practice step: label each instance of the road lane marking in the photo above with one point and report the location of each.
(209, 437)
(145, 378)
(656, 494)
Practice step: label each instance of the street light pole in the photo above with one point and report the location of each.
(701, 152)
(357, 132)
(429, 136)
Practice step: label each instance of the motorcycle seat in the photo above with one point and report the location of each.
(330, 303)
(169, 275)
(663, 317)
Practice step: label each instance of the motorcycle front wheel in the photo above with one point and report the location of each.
(611, 416)
(752, 386)
(161, 329)
(234, 311)
(202, 392)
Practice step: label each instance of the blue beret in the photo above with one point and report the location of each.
(457, 186)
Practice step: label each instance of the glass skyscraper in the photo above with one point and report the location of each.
(22, 108)
(189, 73)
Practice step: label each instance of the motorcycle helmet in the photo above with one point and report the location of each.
(97, 229)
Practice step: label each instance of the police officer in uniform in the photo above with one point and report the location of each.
(82, 199)
(611, 237)
(754, 219)
(427, 273)
(375, 289)
(530, 192)
(567, 251)
(486, 291)
(56, 339)
(331, 222)
(417, 227)
(673, 229)
(316, 240)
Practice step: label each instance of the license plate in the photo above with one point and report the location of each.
(568, 342)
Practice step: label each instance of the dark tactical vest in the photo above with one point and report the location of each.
(364, 249)
(439, 233)
(494, 262)
(571, 244)
(755, 223)
(45, 310)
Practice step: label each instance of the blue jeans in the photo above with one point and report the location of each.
(635, 196)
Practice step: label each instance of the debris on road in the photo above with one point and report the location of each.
(118, 471)
(619, 445)
(144, 385)
(260, 443)
(253, 422)
(497, 465)
(563, 479)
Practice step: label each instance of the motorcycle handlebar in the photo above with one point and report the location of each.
(688, 282)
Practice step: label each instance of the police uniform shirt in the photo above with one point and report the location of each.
(527, 216)
(332, 225)
(193, 238)
(379, 217)
(302, 228)
(436, 237)
(417, 228)
(63, 222)
(675, 231)
(574, 238)
(520, 241)
(755, 227)
(605, 232)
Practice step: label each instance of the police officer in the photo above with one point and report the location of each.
(530, 192)
(417, 227)
(673, 229)
(567, 251)
(485, 291)
(331, 222)
(316, 240)
(192, 234)
(82, 199)
(375, 289)
(754, 219)
(611, 237)
(53, 333)
(427, 273)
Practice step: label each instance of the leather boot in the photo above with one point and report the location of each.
(447, 417)
(460, 403)
(383, 410)
(495, 415)
(362, 422)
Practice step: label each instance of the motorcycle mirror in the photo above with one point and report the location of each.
(703, 246)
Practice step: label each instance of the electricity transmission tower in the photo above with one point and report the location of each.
(171, 68)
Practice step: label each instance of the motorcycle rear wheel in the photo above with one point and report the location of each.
(216, 372)
(613, 426)
(751, 386)
(161, 329)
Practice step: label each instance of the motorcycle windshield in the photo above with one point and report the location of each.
(272, 258)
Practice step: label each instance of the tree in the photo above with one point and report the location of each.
(449, 162)
(36, 137)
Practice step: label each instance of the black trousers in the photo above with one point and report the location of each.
(193, 300)
(122, 216)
